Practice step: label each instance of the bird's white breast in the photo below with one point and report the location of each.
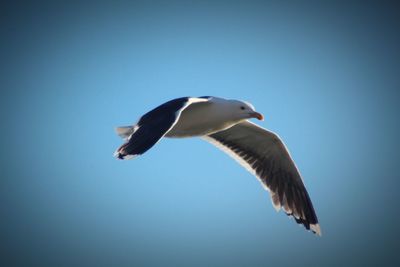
(202, 119)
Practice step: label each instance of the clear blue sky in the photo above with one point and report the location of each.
(324, 76)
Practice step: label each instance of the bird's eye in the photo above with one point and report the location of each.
(242, 108)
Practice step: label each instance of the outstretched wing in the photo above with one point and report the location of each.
(152, 126)
(263, 154)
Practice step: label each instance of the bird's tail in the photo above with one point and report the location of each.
(125, 131)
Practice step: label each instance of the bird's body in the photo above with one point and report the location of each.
(224, 124)
(196, 119)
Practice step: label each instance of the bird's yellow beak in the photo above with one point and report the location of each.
(257, 115)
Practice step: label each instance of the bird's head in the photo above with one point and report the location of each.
(244, 110)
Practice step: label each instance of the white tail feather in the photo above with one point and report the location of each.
(125, 131)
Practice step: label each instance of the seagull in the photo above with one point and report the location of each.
(225, 124)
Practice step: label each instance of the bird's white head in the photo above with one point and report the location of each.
(244, 110)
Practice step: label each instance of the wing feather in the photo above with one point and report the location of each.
(153, 125)
(263, 154)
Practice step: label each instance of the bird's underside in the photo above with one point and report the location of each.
(260, 151)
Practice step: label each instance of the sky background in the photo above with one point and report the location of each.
(326, 77)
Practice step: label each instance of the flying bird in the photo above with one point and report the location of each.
(224, 123)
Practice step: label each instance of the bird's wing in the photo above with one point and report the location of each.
(263, 154)
(153, 125)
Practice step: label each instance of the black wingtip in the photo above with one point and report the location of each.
(313, 227)
(118, 155)
(122, 155)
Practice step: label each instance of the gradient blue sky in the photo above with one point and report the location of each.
(324, 75)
